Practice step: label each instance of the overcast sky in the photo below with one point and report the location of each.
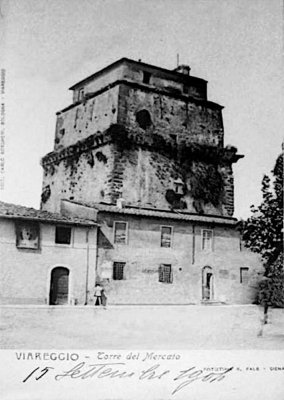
(51, 44)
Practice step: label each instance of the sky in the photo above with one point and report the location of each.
(48, 45)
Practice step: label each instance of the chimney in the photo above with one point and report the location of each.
(120, 203)
(183, 69)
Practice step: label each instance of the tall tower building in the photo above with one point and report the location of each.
(143, 133)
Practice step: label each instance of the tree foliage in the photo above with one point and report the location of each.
(263, 234)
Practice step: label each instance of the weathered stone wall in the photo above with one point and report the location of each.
(143, 177)
(143, 254)
(25, 273)
(85, 178)
(228, 195)
(86, 118)
(187, 120)
(142, 173)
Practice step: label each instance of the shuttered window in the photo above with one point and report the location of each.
(120, 232)
(207, 239)
(63, 234)
(166, 236)
(165, 273)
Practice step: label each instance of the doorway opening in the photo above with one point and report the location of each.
(207, 284)
(59, 286)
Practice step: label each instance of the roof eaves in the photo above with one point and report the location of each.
(169, 215)
(101, 71)
(140, 63)
(49, 220)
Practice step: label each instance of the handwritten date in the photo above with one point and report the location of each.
(119, 370)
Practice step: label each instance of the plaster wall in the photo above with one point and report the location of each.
(99, 82)
(25, 273)
(196, 88)
(143, 254)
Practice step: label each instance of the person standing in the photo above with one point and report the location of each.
(98, 294)
(104, 299)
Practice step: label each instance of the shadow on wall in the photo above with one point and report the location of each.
(103, 242)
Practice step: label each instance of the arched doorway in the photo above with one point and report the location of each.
(59, 286)
(207, 284)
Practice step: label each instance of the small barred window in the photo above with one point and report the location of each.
(165, 273)
(118, 271)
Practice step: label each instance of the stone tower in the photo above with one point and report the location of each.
(145, 134)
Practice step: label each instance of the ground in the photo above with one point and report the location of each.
(143, 327)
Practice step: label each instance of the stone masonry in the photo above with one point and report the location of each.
(132, 131)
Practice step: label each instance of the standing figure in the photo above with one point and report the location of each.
(98, 294)
(104, 298)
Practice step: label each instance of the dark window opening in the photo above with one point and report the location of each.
(143, 119)
(244, 275)
(81, 94)
(118, 269)
(178, 186)
(165, 273)
(63, 235)
(185, 89)
(146, 77)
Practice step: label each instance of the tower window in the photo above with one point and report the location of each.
(165, 273)
(118, 269)
(178, 186)
(63, 234)
(207, 239)
(81, 94)
(185, 89)
(143, 119)
(146, 77)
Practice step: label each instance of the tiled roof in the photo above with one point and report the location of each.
(166, 214)
(14, 211)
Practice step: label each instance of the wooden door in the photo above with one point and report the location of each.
(207, 283)
(59, 286)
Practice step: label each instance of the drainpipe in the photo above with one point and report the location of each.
(193, 244)
(97, 253)
(88, 266)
